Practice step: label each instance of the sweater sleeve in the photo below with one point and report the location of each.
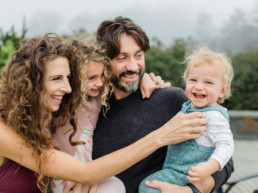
(223, 175)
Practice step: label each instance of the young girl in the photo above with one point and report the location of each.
(208, 77)
(96, 88)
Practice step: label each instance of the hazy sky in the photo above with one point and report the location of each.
(161, 18)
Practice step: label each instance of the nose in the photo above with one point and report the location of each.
(66, 87)
(132, 65)
(198, 86)
(99, 82)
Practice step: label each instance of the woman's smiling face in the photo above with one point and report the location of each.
(56, 81)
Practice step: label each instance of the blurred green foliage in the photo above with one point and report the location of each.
(245, 83)
(168, 62)
(9, 42)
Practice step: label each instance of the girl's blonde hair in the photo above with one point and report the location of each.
(205, 55)
(91, 51)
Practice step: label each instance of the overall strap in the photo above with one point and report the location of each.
(186, 108)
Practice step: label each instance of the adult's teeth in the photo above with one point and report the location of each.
(57, 97)
(130, 75)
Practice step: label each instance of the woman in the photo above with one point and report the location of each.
(36, 86)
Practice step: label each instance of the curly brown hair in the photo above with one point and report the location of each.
(22, 93)
(90, 50)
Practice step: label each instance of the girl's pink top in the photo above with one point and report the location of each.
(85, 112)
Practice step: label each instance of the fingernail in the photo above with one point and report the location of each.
(147, 182)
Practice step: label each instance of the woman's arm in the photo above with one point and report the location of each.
(64, 166)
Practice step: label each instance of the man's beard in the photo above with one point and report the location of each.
(127, 86)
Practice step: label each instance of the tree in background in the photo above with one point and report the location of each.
(245, 83)
(168, 62)
(238, 33)
(9, 42)
(81, 32)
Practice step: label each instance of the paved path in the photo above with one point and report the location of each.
(246, 162)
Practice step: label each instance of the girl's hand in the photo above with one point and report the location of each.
(73, 187)
(150, 83)
(158, 81)
(93, 188)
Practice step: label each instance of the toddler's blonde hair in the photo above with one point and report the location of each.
(205, 55)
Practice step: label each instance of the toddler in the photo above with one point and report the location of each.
(208, 77)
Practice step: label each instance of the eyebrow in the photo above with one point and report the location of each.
(92, 75)
(135, 52)
(51, 76)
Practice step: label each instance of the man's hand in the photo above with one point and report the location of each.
(165, 187)
(204, 186)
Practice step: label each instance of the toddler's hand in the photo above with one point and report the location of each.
(198, 172)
